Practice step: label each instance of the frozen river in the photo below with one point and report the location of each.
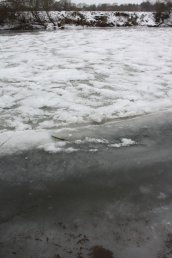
(50, 80)
(90, 197)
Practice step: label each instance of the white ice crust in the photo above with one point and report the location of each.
(52, 80)
(125, 142)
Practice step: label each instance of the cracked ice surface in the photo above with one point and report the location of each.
(49, 80)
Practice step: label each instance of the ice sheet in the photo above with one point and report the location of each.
(52, 80)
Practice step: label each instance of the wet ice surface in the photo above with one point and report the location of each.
(115, 202)
(49, 80)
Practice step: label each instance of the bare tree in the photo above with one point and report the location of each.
(47, 6)
(162, 10)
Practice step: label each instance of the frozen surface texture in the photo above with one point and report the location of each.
(52, 80)
(64, 78)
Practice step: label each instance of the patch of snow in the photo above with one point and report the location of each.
(91, 140)
(57, 147)
(93, 150)
(70, 150)
(125, 142)
(162, 195)
(145, 189)
(14, 141)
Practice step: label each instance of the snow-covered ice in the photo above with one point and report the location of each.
(52, 80)
(92, 140)
(125, 142)
(14, 141)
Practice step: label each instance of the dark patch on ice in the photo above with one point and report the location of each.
(57, 256)
(167, 249)
(100, 252)
(168, 242)
(63, 226)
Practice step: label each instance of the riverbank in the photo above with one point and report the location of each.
(55, 20)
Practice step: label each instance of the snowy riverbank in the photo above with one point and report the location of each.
(29, 21)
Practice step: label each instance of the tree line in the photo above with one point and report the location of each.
(67, 5)
(145, 6)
